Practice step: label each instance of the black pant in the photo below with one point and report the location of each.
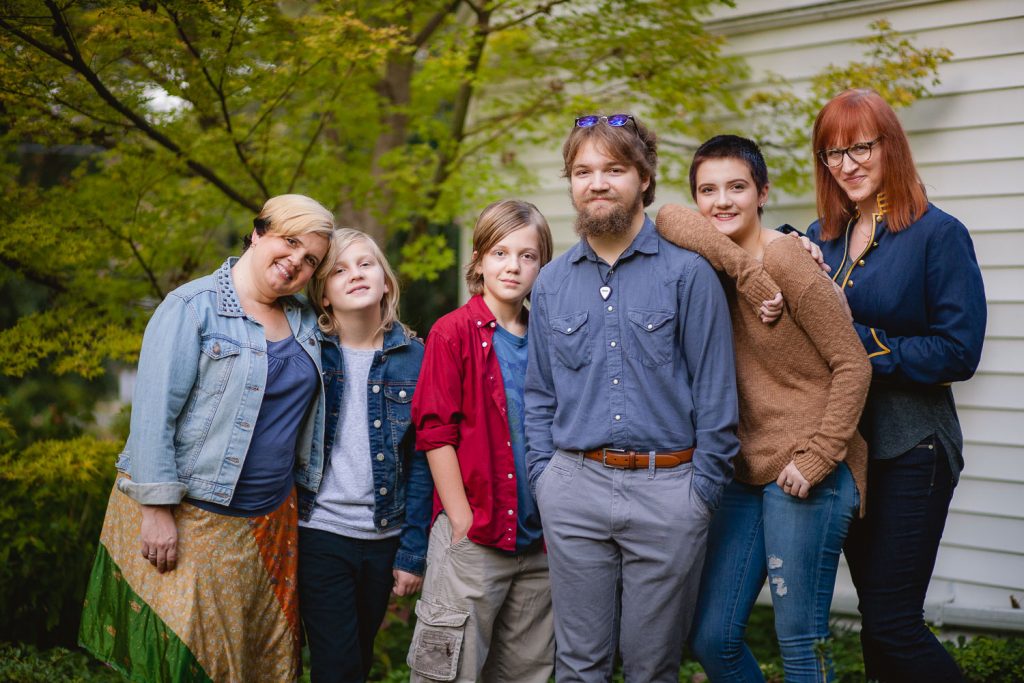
(891, 553)
(344, 588)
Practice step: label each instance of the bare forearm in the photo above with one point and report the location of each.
(447, 475)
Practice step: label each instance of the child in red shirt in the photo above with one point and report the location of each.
(485, 612)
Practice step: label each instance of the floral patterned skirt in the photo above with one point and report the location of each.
(228, 612)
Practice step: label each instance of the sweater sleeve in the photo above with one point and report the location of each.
(817, 310)
(688, 229)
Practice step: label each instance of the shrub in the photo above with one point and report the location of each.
(985, 659)
(52, 499)
(20, 663)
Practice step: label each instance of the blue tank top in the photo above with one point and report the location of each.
(267, 473)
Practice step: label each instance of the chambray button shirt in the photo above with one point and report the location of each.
(651, 367)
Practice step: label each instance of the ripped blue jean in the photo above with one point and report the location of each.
(761, 532)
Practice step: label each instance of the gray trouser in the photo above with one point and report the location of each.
(641, 532)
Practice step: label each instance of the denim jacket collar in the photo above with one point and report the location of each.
(227, 297)
(394, 339)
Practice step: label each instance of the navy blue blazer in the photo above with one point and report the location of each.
(917, 297)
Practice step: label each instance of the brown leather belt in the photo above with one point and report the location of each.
(637, 460)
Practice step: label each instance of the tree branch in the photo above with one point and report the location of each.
(460, 110)
(542, 8)
(324, 119)
(35, 276)
(218, 90)
(434, 23)
(277, 100)
(76, 62)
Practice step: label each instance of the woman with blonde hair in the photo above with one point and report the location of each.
(195, 576)
(915, 290)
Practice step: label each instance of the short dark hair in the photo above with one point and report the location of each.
(731, 147)
(632, 144)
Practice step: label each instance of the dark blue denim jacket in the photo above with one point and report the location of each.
(403, 488)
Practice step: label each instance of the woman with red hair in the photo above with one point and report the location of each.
(913, 284)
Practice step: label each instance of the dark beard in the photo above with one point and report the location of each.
(616, 222)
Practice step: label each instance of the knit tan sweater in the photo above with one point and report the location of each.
(802, 380)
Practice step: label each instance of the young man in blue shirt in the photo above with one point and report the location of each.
(631, 413)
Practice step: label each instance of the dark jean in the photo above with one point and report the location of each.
(891, 553)
(762, 532)
(344, 588)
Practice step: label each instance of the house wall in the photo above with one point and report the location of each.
(968, 140)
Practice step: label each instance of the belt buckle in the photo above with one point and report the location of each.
(616, 451)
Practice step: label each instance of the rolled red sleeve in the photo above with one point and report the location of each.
(436, 412)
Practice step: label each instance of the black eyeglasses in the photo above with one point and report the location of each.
(615, 120)
(859, 152)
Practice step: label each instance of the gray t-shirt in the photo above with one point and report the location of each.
(344, 503)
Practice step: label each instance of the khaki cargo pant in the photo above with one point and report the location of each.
(484, 615)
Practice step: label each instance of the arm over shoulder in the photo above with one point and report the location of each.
(688, 229)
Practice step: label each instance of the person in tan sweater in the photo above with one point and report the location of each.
(801, 472)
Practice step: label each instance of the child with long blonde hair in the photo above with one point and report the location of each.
(364, 534)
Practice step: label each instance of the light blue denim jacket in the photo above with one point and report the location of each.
(202, 374)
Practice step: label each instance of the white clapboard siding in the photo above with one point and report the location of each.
(968, 141)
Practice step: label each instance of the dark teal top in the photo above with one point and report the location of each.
(511, 352)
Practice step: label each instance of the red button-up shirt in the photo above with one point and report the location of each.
(460, 402)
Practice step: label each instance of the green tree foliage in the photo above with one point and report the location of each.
(781, 118)
(52, 498)
(399, 115)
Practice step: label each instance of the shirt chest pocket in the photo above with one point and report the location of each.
(651, 332)
(570, 340)
(216, 361)
(398, 404)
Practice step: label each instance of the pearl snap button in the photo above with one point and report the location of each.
(376, 423)
(402, 394)
(376, 388)
(380, 457)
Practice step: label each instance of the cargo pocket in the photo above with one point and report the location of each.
(438, 641)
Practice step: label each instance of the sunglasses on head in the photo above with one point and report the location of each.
(615, 120)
